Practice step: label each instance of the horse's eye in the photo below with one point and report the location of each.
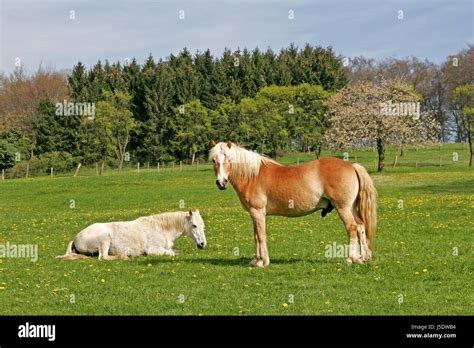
(214, 160)
(194, 225)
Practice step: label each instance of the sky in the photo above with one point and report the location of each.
(47, 32)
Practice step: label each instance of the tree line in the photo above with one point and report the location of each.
(176, 104)
(168, 109)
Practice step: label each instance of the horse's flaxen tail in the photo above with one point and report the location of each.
(70, 254)
(367, 203)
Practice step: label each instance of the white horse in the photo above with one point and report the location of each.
(148, 235)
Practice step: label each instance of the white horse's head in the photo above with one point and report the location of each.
(195, 229)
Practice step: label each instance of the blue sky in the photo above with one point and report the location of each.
(42, 31)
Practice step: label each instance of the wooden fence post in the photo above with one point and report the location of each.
(395, 162)
(52, 172)
(77, 169)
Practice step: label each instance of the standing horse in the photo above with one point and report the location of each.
(265, 187)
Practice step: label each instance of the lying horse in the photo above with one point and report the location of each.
(149, 235)
(265, 187)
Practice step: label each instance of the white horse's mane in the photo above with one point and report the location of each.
(244, 163)
(173, 221)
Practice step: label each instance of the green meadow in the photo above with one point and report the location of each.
(423, 263)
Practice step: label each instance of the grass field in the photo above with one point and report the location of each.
(423, 262)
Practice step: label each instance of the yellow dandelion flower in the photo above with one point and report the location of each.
(285, 305)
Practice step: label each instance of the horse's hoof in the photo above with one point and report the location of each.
(351, 260)
(358, 260)
(253, 263)
(257, 263)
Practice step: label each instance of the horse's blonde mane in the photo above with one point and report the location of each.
(244, 163)
(172, 221)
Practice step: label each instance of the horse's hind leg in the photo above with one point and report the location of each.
(365, 252)
(352, 230)
(104, 247)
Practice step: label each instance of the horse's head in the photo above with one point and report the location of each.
(219, 155)
(195, 229)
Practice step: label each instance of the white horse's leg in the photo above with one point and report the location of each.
(158, 251)
(352, 230)
(104, 247)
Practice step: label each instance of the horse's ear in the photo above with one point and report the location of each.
(197, 212)
(190, 212)
(229, 144)
(213, 143)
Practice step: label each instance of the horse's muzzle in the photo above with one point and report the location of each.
(201, 245)
(220, 186)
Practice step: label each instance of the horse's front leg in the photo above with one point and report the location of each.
(262, 258)
(158, 251)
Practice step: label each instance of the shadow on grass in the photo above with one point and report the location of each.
(242, 261)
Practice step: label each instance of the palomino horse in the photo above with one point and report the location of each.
(148, 235)
(266, 188)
